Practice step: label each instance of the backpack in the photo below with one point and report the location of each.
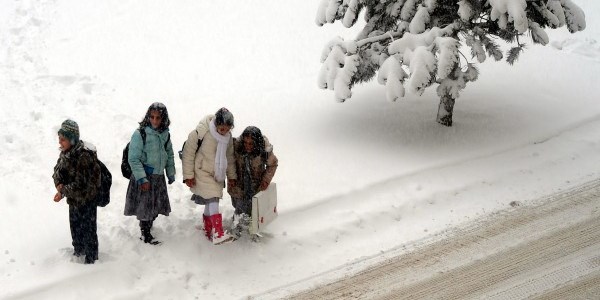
(125, 167)
(183, 146)
(103, 196)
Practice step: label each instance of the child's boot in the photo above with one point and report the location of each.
(145, 227)
(208, 227)
(218, 236)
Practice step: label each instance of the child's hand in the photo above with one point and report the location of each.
(145, 186)
(190, 182)
(231, 182)
(57, 197)
(263, 186)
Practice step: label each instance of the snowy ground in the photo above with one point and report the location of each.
(547, 250)
(355, 179)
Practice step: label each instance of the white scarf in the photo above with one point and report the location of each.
(221, 155)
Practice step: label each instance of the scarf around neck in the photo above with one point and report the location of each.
(221, 155)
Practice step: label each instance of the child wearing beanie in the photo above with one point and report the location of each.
(77, 177)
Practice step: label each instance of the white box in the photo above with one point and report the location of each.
(264, 209)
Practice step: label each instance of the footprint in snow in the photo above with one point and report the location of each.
(587, 47)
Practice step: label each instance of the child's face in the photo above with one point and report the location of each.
(155, 118)
(64, 143)
(223, 129)
(248, 144)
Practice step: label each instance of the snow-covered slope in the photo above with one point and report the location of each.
(354, 178)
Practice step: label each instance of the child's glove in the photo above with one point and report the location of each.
(171, 179)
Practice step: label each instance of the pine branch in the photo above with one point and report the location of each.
(382, 37)
(491, 47)
(466, 59)
(513, 54)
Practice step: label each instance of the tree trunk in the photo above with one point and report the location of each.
(445, 109)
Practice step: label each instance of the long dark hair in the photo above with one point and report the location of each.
(258, 141)
(162, 109)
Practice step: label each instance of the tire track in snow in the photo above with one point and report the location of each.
(547, 250)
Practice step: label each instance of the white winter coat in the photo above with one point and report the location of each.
(200, 165)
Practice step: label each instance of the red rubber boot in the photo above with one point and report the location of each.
(208, 227)
(218, 236)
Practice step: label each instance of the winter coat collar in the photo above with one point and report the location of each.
(75, 150)
(150, 130)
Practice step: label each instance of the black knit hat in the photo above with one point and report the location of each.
(70, 130)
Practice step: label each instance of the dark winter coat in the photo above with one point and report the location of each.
(78, 171)
(262, 169)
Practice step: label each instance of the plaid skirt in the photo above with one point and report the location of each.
(147, 205)
(201, 201)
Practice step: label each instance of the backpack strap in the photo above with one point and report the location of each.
(168, 140)
(199, 141)
(143, 134)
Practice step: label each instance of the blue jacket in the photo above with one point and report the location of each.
(154, 157)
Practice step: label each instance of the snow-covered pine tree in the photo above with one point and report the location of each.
(415, 43)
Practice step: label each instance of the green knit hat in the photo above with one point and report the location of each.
(70, 130)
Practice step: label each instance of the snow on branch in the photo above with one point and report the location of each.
(331, 10)
(344, 78)
(392, 76)
(331, 66)
(448, 55)
(351, 13)
(465, 10)
(422, 64)
(417, 42)
(510, 10)
(412, 41)
(457, 81)
(476, 48)
(555, 7)
(550, 17)
(538, 35)
(381, 37)
(408, 10)
(421, 19)
(321, 18)
(574, 16)
(329, 47)
(339, 66)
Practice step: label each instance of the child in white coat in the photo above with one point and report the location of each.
(207, 161)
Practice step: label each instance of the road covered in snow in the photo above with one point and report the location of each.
(547, 250)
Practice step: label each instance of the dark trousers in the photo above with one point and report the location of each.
(242, 206)
(83, 230)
